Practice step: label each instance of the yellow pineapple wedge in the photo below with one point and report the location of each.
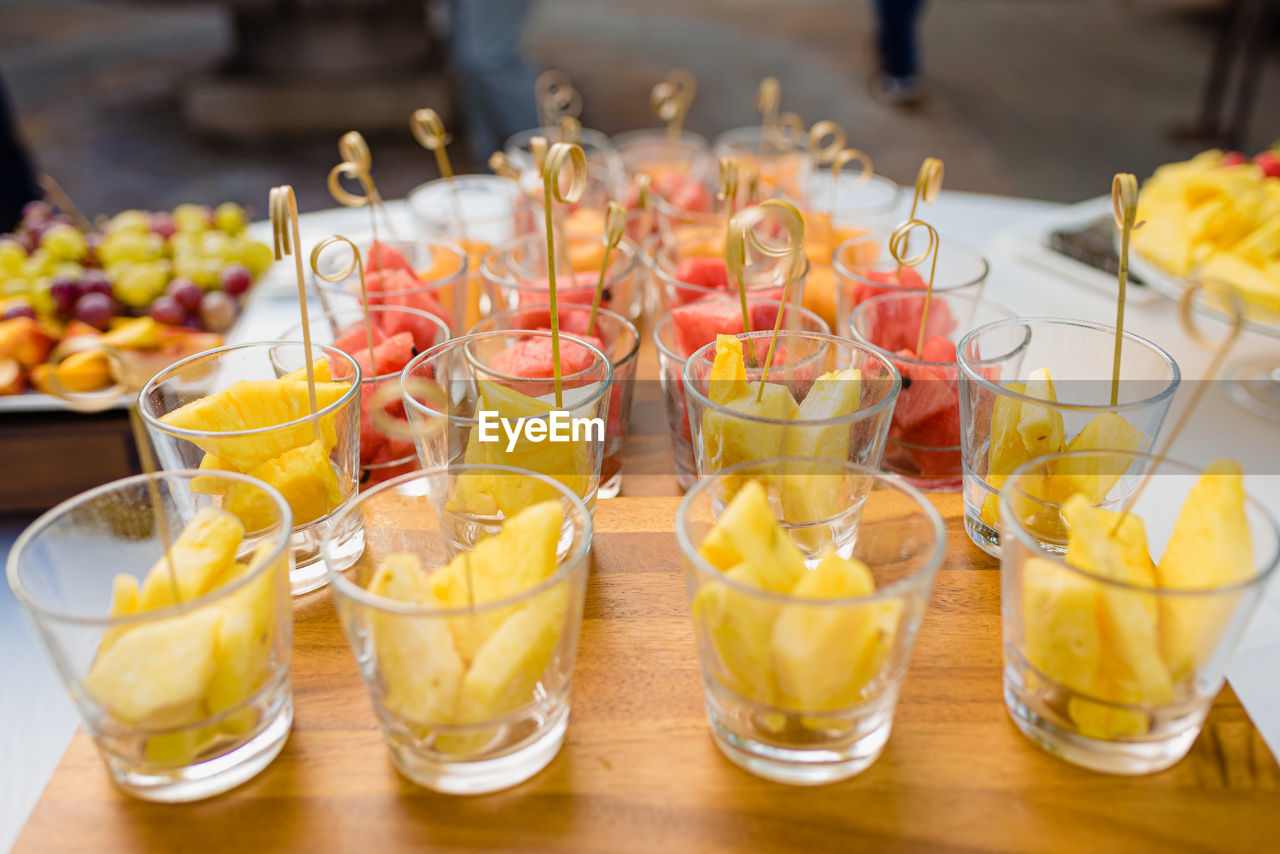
(303, 475)
(124, 600)
(320, 368)
(1041, 427)
(1094, 478)
(205, 549)
(738, 626)
(806, 495)
(726, 439)
(255, 404)
(823, 655)
(206, 485)
(728, 377)
(419, 668)
(746, 532)
(1060, 621)
(1005, 450)
(1210, 547)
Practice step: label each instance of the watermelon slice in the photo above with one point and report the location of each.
(530, 358)
(422, 330)
(384, 257)
(390, 356)
(580, 290)
(353, 339)
(698, 323)
(927, 391)
(690, 196)
(894, 324)
(938, 349)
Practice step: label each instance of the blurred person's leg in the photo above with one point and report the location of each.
(17, 183)
(495, 81)
(899, 77)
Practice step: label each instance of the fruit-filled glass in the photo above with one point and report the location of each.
(692, 266)
(1118, 627)
(247, 408)
(177, 660)
(464, 627)
(779, 159)
(805, 627)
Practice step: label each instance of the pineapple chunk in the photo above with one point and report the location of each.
(202, 552)
(1106, 432)
(747, 533)
(809, 496)
(256, 404)
(738, 626)
(1210, 547)
(728, 439)
(823, 656)
(728, 378)
(1059, 616)
(246, 632)
(417, 664)
(304, 476)
(124, 600)
(156, 673)
(1041, 427)
(320, 367)
(208, 485)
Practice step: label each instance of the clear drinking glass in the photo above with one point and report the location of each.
(617, 338)
(484, 398)
(960, 268)
(601, 155)
(471, 699)
(186, 697)
(382, 455)
(656, 153)
(1108, 674)
(924, 436)
(477, 212)
(315, 479)
(780, 161)
(679, 333)
(803, 690)
(516, 274)
(724, 434)
(439, 266)
(997, 421)
(692, 267)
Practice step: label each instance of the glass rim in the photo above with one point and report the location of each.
(410, 401)
(967, 366)
(932, 563)
(843, 269)
(487, 261)
(356, 380)
(440, 326)
(734, 138)
(1268, 566)
(667, 319)
(638, 136)
(632, 352)
(978, 302)
(348, 588)
(875, 179)
(47, 518)
(669, 279)
(425, 286)
(687, 381)
(505, 187)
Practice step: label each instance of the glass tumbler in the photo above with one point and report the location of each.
(799, 689)
(1117, 670)
(1005, 421)
(516, 274)
(246, 408)
(182, 680)
(469, 669)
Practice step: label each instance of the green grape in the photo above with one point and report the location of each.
(191, 217)
(11, 257)
(67, 270)
(184, 243)
(17, 286)
(40, 295)
(215, 244)
(140, 284)
(64, 242)
(136, 221)
(209, 276)
(127, 246)
(256, 256)
(38, 263)
(229, 217)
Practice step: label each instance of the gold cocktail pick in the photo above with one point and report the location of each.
(729, 185)
(283, 205)
(671, 98)
(555, 96)
(352, 148)
(928, 185)
(356, 265)
(1124, 207)
(501, 166)
(54, 193)
(826, 140)
(768, 96)
(742, 235)
(568, 129)
(749, 177)
(538, 149)
(428, 130)
(843, 158)
(615, 220)
(559, 156)
(793, 249)
(1221, 348)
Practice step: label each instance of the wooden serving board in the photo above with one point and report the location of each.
(639, 771)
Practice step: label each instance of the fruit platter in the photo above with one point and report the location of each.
(151, 287)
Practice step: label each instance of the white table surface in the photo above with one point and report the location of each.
(37, 719)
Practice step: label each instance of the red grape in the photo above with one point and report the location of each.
(162, 224)
(19, 310)
(36, 210)
(95, 282)
(235, 279)
(168, 310)
(218, 311)
(96, 310)
(186, 292)
(64, 293)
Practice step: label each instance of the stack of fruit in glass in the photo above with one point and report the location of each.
(852, 212)
(516, 273)
(924, 436)
(804, 394)
(168, 618)
(249, 408)
(476, 212)
(465, 628)
(396, 334)
(606, 179)
(1112, 657)
(1030, 387)
(612, 334)
(677, 167)
(693, 267)
(485, 399)
(805, 623)
(775, 154)
(685, 329)
(417, 274)
(959, 269)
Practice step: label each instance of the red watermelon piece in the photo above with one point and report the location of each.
(698, 323)
(353, 339)
(938, 349)
(705, 271)
(384, 257)
(691, 196)
(388, 357)
(580, 290)
(530, 358)
(422, 330)
(895, 324)
(926, 392)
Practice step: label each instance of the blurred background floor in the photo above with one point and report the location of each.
(1044, 98)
